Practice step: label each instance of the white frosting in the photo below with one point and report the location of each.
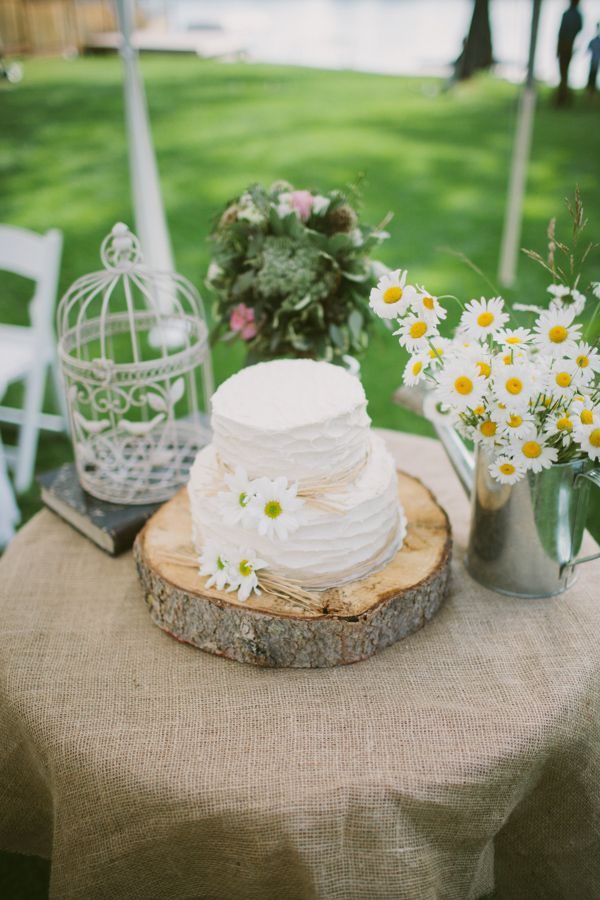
(330, 545)
(292, 417)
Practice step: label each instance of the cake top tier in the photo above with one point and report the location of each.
(287, 394)
(292, 417)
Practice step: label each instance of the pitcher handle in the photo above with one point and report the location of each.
(594, 476)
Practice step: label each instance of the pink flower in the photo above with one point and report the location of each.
(302, 202)
(242, 321)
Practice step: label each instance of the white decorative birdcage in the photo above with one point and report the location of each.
(133, 346)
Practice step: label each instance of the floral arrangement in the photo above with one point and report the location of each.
(291, 273)
(530, 394)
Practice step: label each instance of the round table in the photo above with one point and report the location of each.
(466, 756)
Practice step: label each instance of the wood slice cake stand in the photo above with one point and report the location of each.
(351, 622)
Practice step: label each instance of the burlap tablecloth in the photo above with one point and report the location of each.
(148, 769)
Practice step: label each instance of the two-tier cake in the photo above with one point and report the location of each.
(295, 484)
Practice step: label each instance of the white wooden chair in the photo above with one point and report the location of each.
(28, 353)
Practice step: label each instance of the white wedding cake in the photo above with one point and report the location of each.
(295, 484)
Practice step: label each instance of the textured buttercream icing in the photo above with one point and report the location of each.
(306, 421)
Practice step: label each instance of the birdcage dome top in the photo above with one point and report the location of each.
(129, 317)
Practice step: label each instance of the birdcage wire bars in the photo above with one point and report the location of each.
(131, 342)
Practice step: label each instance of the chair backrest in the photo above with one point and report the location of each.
(34, 256)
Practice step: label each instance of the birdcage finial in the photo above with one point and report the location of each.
(120, 249)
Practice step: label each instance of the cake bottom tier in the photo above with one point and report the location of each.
(329, 548)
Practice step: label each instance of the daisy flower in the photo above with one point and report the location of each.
(513, 337)
(416, 369)
(560, 423)
(214, 566)
(437, 350)
(588, 437)
(428, 307)
(483, 317)
(415, 333)
(584, 412)
(392, 297)
(460, 386)
(512, 425)
(234, 503)
(242, 569)
(564, 297)
(275, 506)
(533, 453)
(555, 333)
(486, 431)
(564, 378)
(513, 386)
(505, 470)
(587, 360)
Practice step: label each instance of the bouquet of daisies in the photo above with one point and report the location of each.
(531, 395)
(291, 272)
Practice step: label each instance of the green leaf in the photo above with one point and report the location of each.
(302, 303)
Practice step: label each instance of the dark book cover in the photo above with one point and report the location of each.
(111, 526)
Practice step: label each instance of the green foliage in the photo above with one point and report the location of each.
(304, 271)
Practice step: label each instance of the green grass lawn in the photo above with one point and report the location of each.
(439, 161)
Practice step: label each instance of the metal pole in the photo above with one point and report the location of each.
(150, 219)
(511, 234)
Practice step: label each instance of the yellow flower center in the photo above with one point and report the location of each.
(484, 369)
(595, 437)
(435, 352)
(392, 294)
(417, 329)
(246, 568)
(547, 401)
(564, 424)
(514, 385)
(558, 334)
(583, 361)
(514, 421)
(563, 379)
(513, 339)
(488, 429)
(428, 302)
(479, 410)
(531, 449)
(416, 368)
(587, 417)
(507, 360)
(507, 468)
(463, 385)
(484, 319)
(273, 509)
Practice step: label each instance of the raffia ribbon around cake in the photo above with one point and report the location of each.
(307, 596)
(316, 492)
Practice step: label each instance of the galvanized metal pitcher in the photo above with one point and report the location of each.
(525, 537)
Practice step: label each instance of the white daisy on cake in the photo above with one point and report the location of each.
(234, 503)
(415, 333)
(533, 453)
(214, 566)
(428, 307)
(506, 470)
(242, 569)
(275, 507)
(483, 317)
(555, 333)
(392, 297)
(460, 385)
(588, 437)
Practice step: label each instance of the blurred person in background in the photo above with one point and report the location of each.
(570, 26)
(594, 50)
